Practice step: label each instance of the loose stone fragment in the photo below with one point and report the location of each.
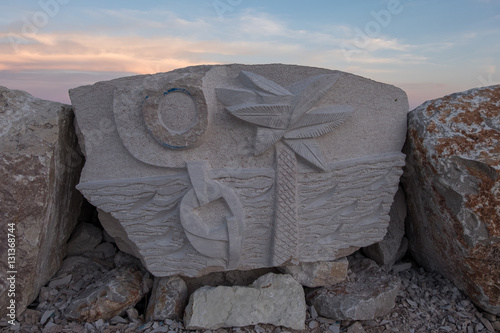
(272, 299)
(318, 274)
(356, 328)
(116, 291)
(168, 299)
(366, 294)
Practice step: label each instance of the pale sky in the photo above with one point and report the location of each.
(427, 48)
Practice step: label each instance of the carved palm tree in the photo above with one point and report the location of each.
(288, 121)
(291, 118)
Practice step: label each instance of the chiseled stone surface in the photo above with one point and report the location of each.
(168, 299)
(394, 245)
(117, 291)
(452, 183)
(217, 168)
(40, 165)
(318, 274)
(271, 299)
(367, 293)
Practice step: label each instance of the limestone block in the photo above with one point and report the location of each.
(40, 165)
(275, 299)
(394, 245)
(452, 182)
(168, 299)
(318, 274)
(117, 291)
(215, 168)
(368, 293)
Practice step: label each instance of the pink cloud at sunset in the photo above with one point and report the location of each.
(72, 43)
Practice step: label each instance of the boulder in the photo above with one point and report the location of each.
(318, 274)
(238, 167)
(367, 293)
(394, 245)
(275, 299)
(114, 293)
(168, 299)
(40, 165)
(452, 182)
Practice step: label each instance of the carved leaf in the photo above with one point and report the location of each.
(235, 96)
(255, 80)
(312, 93)
(309, 150)
(334, 119)
(266, 138)
(268, 115)
(323, 115)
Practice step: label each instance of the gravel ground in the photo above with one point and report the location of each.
(426, 302)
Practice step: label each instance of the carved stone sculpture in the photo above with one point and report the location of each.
(214, 168)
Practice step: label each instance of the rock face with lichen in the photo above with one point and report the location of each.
(40, 164)
(452, 181)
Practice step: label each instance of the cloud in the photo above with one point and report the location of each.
(150, 41)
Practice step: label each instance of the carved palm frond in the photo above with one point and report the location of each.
(257, 81)
(266, 138)
(311, 94)
(308, 149)
(285, 115)
(273, 116)
(320, 124)
(322, 115)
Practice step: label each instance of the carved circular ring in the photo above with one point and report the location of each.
(176, 117)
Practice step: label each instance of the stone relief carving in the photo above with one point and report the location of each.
(189, 201)
(176, 117)
(290, 118)
(218, 236)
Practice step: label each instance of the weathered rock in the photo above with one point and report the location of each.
(394, 245)
(117, 291)
(105, 250)
(40, 165)
(168, 299)
(367, 293)
(267, 164)
(78, 266)
(84, 239)
(356, 328)
(272, 299)
(452, 182)
(318, 274)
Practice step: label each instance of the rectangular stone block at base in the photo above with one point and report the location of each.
(40, 165)
(272, 299)
(215, 168)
